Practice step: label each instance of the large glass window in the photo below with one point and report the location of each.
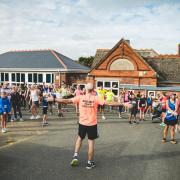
(48, 78)
(99, 83)
(13, 77)
(40, 78)
(6, 77)
(107, 84)
(18, 77)
(35, 78)
(29, 77)
(2, 76)
(22, 77)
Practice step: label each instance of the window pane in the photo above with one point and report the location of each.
(48, 78)
(18, 77)
(29, 77)
(99, 83)
(6, 77)
(2, 76)
(114, 84)
(115, 91)
(40, 78)
(35, 78)
(13, 77)
(22, 77)
(107, 84)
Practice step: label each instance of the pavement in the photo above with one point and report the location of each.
(122, 152)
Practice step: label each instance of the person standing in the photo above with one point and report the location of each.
(5, 109)
(142, 107)
(16, 103)
(133, 109)
(88, 104)
(170, 118)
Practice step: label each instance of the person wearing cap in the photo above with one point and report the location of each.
(170, 118)
(88, 105)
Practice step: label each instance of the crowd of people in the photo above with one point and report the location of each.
(164, 106)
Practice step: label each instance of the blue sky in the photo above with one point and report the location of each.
(78, 27)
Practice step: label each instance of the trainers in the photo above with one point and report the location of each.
(130, 122)
(164, 140)
(46, 123)
(38, 116)
(32, 117)
(103, 117)
(90, 165)
(12, 120)
(134, 122)
(74, 162)
(162, 124)
(172, 141)
(21, 119)
(120, 117)
(3, 130)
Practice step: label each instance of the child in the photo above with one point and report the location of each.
(45, 108)
(5, 109)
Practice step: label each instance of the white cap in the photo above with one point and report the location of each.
(89, 86)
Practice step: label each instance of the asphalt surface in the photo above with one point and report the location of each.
(123, 151)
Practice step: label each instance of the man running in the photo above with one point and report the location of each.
(88, 105)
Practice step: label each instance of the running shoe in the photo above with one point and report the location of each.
(130, 122)
(164, 140)
(120, 117)
(103, 117)
(134, 122)
(162, 124)
(172, 141)
(32, 117)
(90, 165)
(12, 120)
(46, 123)
(21, 119)
(3, 130)
(38, 116)
(74, 162)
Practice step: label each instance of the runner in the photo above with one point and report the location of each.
(133, 109)
(149, 104)
(171, 118)
(101, 94)
(5, 109)
(109, 98)
(78, 92)
(142, 107)
(88, 104)
(121, 101)
(45, 108)
(163, 100)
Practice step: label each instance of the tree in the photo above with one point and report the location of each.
(86, 61)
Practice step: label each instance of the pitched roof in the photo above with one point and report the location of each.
(146, 52)
(166, 66)
(100, 53)
(43, 59)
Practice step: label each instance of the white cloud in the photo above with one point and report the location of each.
(79, 27)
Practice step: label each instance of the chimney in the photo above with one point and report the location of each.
(128, 41)
(179, 49)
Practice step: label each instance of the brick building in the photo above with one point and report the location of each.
(125, 67)
(40, 66)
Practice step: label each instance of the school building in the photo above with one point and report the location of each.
(133, 69)
(40, 66)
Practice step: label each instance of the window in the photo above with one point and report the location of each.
(13, 77)
(18, 77)
(107, 84)
(99, 83)
(122, 64)
(35, 78)
(48, 78)
(29, 77)
(40, 78)
(115, 84)
(22, 77)
(6, 77)
(115, 91)
(2, 76)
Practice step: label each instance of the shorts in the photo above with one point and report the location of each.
(142, 109)
(35, 103)
(163, 110)
(170, 123)
(134, 111)
(149, 105)
(45, 110)
(91, 132)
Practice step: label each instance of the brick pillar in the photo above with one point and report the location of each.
(179, 49)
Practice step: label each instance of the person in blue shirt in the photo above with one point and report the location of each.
(45, 108)
(5, 109)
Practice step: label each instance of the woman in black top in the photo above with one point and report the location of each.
(142, 106)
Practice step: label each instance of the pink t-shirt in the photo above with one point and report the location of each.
(88, 104)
